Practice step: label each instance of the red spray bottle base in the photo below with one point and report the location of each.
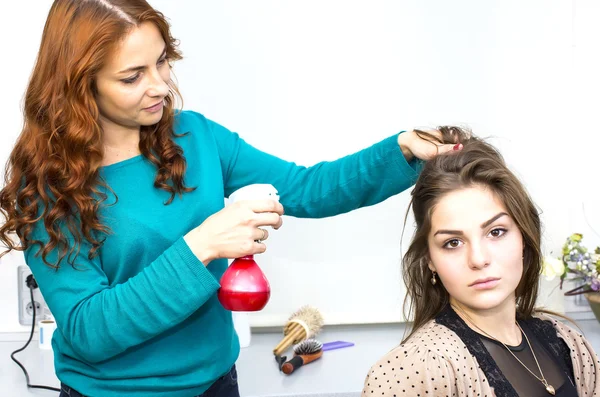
(244, 287)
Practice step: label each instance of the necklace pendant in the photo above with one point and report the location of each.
(550, 389)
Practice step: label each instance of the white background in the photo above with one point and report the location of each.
(315, 80)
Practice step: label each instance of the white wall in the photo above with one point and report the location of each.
(315, 80)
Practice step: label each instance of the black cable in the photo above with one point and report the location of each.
(32, 285)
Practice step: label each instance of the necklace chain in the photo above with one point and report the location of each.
(542, 379)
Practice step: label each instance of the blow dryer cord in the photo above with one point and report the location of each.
(32, 284)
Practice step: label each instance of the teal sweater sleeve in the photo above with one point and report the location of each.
(101, 321)
(325, 189)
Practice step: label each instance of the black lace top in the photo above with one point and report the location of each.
(505, 374)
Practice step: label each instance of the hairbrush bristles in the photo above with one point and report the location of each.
(309, 316)
(308, 346)
(303, 324)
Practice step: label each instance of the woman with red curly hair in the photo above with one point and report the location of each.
(117, 200)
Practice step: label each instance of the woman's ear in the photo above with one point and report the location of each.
(430, 265)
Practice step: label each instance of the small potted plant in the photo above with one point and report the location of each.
(579, 265)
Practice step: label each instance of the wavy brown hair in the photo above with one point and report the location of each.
(52, 174)
(477, 164)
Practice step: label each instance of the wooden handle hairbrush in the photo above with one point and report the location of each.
(295, 333)
(305, 352)
(298, 361)
(305, 323)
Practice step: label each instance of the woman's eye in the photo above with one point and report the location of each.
(451, 244)
(131, 80)
(499, 232)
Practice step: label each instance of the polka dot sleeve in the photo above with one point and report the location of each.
(410, 371)
(586, 366)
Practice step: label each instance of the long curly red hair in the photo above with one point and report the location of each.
(52, 175)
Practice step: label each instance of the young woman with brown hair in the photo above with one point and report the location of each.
(472, 273)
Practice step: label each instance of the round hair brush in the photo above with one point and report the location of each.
(305, 352)
(303, 324)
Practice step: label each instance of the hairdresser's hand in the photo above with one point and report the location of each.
(235, 231)
(423, 147)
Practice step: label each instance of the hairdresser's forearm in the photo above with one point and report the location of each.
(100, 321)
(324, 189)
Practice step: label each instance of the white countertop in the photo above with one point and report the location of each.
(338, 373)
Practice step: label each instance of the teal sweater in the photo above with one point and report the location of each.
(142, 318)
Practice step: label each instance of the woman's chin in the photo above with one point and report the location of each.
(484, 302)
(149, 119)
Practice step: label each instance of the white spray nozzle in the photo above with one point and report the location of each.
(258, 191)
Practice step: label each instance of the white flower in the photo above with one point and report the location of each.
(552, 267)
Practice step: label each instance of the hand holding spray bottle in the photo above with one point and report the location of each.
(244, 286)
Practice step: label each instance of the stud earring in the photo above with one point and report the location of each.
(433, 279)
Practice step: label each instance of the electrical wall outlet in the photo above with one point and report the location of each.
(25, 305)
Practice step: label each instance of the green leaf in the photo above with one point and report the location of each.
(576, 237)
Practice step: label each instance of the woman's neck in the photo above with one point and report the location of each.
(120, 143)
(496, 323)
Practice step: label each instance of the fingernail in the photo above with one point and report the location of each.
(458, 146)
